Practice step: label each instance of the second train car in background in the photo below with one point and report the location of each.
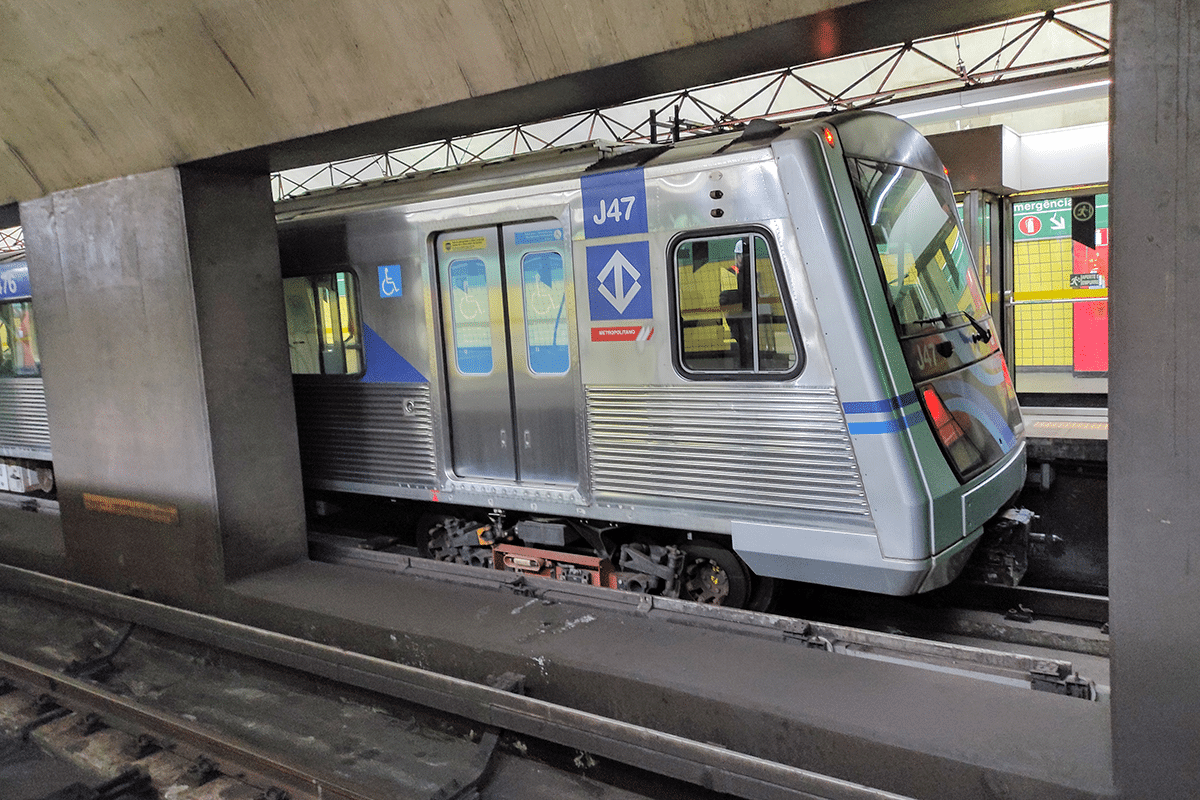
(25, 458)
(680, 369)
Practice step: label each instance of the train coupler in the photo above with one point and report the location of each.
(1002, 556)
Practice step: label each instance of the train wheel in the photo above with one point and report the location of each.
(423, 532)
(762, 595)
(714, 575)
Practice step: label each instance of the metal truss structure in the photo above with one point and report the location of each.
(12, 240)
(1070, 38)
(1073, 37)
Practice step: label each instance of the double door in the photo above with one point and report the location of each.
(512, 366)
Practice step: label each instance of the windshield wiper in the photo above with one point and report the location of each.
(982, 334)
(943, 318)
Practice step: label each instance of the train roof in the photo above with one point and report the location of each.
(864, 133)
(537, 167)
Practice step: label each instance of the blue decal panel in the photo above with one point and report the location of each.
(14, 281)
(384, 364)
(390, 284)
(619, 281)
(614, 203)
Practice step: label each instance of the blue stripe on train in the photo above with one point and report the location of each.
(881, 406)
(887, 425)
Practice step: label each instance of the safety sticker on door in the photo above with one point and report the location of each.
(619, 281)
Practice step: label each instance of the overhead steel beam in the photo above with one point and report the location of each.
(925, 78)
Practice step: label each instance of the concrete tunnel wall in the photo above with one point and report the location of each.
(99, 90)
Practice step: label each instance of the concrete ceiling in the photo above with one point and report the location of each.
(103, 88)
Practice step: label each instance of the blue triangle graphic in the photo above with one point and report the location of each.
(384, 364)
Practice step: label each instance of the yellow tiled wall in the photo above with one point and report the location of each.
(1043, 330)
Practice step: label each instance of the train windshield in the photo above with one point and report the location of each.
(922, 251)
(948, 343)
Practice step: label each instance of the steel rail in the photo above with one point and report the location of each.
(83, 696)
(1074, 606)
(976, 662)
(699, 763)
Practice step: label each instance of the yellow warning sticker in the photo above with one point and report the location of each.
(123, 507)
(459, 245)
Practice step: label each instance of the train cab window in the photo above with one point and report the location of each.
(18, 341)
(923, 257)
(732, 316)
(324, 335)
(546, 331)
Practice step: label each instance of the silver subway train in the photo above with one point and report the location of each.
(24, 425)
(682, 369)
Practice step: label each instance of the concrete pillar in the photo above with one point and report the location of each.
(161, 323)
(1154, 444)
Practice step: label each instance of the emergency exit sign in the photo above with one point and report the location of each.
(1042, 219)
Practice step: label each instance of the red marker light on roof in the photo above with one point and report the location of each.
(828, 134)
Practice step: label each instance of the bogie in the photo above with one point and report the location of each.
(635, 559)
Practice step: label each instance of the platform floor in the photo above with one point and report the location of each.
(1066, 434)
(1064, 423)
(916, 731)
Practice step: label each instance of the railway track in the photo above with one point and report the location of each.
(851, 623)
(1030, 602)
(137, 751)
(509, 745)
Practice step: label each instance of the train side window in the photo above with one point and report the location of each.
(471, 316)
(732, 314)
(324, 333)
(544, 289)
(18, 341)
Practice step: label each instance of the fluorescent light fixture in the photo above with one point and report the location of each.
(1015, 98)
(931, 112)
(1043, 93)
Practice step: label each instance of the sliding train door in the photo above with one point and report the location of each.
(477, 370)
(512, 368)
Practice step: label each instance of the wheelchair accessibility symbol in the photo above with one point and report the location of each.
(468, 305)
(389, 286)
